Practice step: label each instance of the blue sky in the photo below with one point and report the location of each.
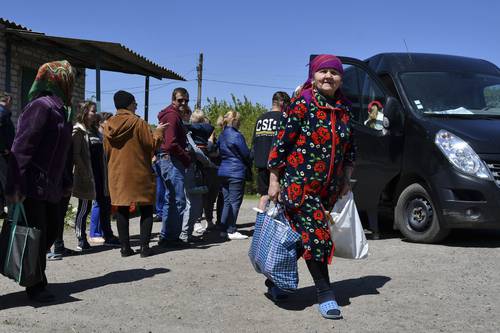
(259, 42)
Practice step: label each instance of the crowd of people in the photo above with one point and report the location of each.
(116, 165)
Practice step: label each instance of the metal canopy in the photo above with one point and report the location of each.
(95, 54)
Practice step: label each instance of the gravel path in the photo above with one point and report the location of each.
(452, 287)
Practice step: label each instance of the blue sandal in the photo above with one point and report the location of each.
(330, 310)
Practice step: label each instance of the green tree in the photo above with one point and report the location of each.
(249, 114)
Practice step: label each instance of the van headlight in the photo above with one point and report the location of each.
(461, 155)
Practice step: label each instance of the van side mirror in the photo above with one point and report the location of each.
(393, 115)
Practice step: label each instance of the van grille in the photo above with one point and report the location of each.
(495, 171)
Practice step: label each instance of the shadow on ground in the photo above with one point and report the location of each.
(479, 238)
(344, 291)
(473, 238)
(63, 291)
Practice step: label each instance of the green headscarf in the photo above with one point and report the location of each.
(58, 78)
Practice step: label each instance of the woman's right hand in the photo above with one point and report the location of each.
(274, 191)
(274, 186)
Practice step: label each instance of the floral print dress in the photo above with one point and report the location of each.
(314, 143)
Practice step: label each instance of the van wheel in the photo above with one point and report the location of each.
(416, 216)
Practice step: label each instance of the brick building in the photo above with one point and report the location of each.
(22, 51)
(24, 63)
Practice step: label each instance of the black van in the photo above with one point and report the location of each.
(429, 146)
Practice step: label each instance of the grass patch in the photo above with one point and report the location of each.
(251, 197)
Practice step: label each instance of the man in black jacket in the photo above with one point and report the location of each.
(7, 133)
(263, 136)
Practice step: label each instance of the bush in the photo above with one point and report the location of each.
(249, 114)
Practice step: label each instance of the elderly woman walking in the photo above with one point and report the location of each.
(130, 145)
(39, 173)
(311, 163)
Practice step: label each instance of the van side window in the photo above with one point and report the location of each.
(373, 102)
(351, 87)
(492, 96)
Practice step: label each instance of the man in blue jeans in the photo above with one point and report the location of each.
(174, 159)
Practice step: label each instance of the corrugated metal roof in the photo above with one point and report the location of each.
(87, 53)
(12, 25)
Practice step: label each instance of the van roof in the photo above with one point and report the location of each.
(422, 62)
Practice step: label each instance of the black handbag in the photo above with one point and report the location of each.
(20, 248)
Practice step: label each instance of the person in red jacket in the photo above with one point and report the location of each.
(174, 159)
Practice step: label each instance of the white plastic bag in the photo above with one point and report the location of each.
(346, 230)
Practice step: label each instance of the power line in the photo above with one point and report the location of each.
(108, 91)
(248, 84)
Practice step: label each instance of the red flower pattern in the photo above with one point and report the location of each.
(321, 114)
(294, 191)
(299, 111)
(301, 140)
(320, 166)
(295, 159)
(318, 215)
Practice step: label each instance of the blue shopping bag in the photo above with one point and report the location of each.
(273, 251)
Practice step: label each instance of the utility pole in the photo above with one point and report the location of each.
(199, 69)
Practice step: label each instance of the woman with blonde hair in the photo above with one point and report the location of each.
(235, 157)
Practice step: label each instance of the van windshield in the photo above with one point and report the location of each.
(453, 93)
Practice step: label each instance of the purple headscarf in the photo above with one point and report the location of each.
(320, 62)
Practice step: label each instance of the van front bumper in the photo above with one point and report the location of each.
(465, 201)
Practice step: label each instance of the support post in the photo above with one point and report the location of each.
(146, 100)
(199, 68)
(98, 83)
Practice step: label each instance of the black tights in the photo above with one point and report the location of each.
(319, 273)
(122, 219)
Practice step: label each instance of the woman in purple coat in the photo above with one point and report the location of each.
(38, 174)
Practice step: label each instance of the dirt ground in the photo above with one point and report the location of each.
(401, 287)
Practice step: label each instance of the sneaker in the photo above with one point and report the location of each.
(145, 251)
(51, 256)
(195, 239)
(236, 235)
(112, 241)
(198, 227)
(83, 245)
(127, 252)
(96, 240)
(210, 225)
